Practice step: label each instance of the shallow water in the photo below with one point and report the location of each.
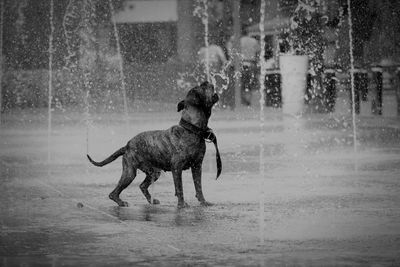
(318, 209)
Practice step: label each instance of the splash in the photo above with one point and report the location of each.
(1, 56)
(262, 118)
(219, 78)
(77, 28)
(201, 11)
(19, 23)
(120, 61)
(50, 92)
(87, 117)
(353, 110)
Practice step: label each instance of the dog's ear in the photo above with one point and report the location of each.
(181, 105)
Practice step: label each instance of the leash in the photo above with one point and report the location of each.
(208, 136)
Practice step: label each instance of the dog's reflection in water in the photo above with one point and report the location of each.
(161, 215)
(190, 217)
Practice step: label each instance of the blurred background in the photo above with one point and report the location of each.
(159, 40)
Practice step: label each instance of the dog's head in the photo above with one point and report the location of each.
(202, 97)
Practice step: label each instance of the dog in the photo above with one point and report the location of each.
(176, 149)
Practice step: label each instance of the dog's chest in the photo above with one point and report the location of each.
(193, 154)
(191, 149)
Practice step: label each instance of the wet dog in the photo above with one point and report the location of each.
(176, 149)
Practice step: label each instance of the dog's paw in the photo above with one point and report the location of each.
(206, 204)
(117, 200)
(123, 204)
(156, 201)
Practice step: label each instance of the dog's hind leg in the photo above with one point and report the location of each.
(151, 177)
(128, 174)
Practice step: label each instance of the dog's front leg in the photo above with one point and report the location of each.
(196, 173)
(177, 175)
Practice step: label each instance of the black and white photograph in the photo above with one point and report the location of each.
(199, 133)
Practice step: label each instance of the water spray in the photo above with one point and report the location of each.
(206, 43)
(87, 114)
(353, 108)
(50, 89)
(1, 55)
(262, 118)
(77, 15)
(201, 11)
(120, 61)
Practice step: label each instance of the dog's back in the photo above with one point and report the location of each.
(163, 148)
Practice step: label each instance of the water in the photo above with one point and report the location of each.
(324, 216)
(204, 20)
(73, 19)
(201, 11)
(120, 61)
(353, 109)
(309, 220)
(87, 117)
(1, 57)
(219, 78)
(50, 92)
(262, 119)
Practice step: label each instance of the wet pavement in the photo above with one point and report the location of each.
(324, 203)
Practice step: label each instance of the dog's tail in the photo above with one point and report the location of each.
(110, 159)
